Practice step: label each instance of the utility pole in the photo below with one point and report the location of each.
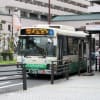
(49, 13)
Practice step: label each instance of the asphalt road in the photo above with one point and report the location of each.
(17, 85)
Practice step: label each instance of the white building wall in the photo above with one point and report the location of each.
(31, 7)
(24, 22)
(94, 9)
(82, 2)
(66, 5)
(28, 22)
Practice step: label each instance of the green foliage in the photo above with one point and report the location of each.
(8, 62)
(8, 54)
(11, 45)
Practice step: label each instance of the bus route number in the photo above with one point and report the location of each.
(32, 31)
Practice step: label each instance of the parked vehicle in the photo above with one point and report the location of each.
(39, 46)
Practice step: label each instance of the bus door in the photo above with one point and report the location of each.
(60, 47)
(80, 46)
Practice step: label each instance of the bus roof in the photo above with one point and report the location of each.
(72, 33)
(57, 26)
(65, 29)
(63, 32)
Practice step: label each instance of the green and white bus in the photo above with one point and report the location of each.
(38, 46)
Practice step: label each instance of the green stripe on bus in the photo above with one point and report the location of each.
(35, 66)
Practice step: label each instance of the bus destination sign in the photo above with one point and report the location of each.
(37, 31)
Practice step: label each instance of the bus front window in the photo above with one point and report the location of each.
(35, 46)
(50, 47)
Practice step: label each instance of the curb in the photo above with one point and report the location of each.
(8, 64)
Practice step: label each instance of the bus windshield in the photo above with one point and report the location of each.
(36, 46)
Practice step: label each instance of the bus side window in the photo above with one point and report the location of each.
(75, 46)
(72, 46)
(65, 46)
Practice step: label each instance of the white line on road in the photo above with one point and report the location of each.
(3, 78)
(3, 83)
(10, 85)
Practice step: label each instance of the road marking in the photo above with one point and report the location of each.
(3, 78)
(3, 83)
(10, 85)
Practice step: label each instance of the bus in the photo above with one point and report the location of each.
(38, 46)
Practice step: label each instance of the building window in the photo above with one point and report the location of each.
(9, 28)
(9, 11)
(44, 17)
(74, 3)
(32, 15)
(39, 3)
(1, 27)
(23, 14)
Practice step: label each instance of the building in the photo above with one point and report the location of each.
(92, 17)
(32, 12)
(89, 21)
(95, 6)
(36, 11)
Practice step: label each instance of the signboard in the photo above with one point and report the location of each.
(37, 31)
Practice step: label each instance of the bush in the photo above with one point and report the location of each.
(6, 55)
(10, 56)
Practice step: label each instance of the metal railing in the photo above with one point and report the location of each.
(81, 60)
(61, 68)
(18, 71)
(97, 62)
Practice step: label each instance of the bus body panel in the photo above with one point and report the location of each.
(41, 64)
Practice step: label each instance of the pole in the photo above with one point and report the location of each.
(99, 52)
(52, 73)
(24, 77)
(49, 15)
(90, 63)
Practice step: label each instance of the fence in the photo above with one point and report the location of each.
(81, 61)
(21, 71)
(97, 63)
(61, 68)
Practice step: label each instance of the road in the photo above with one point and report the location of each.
(17, 85)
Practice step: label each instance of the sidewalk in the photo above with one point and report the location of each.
(76, 88)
